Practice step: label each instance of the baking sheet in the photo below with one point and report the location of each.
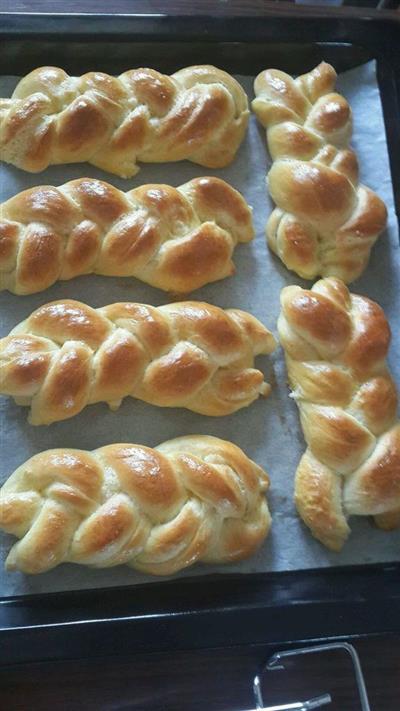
(269, 430)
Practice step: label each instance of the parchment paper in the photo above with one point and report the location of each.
(269, 430)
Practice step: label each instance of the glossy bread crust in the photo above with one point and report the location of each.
(67, 355)
(191, 499)
(336, 345)
(325, 222)
(176, 239)
(200, 113)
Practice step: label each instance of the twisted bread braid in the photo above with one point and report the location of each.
(336, 344)
(199, 113)
(67, 355)
(325, 222)
(158, 510)
(174, 239)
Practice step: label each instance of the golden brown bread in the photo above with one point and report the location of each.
(199, 113)
(174, 239)
(325, 222)
(191, 499)
(67, 355)
(336, 345)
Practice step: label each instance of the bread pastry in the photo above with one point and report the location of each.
(67, 355)
(159, 510)
(325, 222)
(336, 344)
(199, 113)
(174, 239)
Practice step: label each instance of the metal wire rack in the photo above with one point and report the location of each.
(276, 662)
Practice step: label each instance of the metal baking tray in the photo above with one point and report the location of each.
(226, 609)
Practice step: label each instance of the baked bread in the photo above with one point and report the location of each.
(336, 344)
(67, 355)
(174, 239)
(325, 222)
(159, 510)
(199, 113)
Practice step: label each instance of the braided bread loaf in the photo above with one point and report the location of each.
(325, 222)
(67, 355)
(158, 510)
(174, 239)
(336, 344)
(199, 113)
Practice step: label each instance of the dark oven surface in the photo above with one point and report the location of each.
(212, 610)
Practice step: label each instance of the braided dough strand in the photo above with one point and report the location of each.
(191, 499)
(174, 239)
(67, 355)
(199, 113)
(325, 222)
(336, 345)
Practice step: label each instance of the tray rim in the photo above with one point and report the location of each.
(183, 627)
(297, 606)
(251, 9)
